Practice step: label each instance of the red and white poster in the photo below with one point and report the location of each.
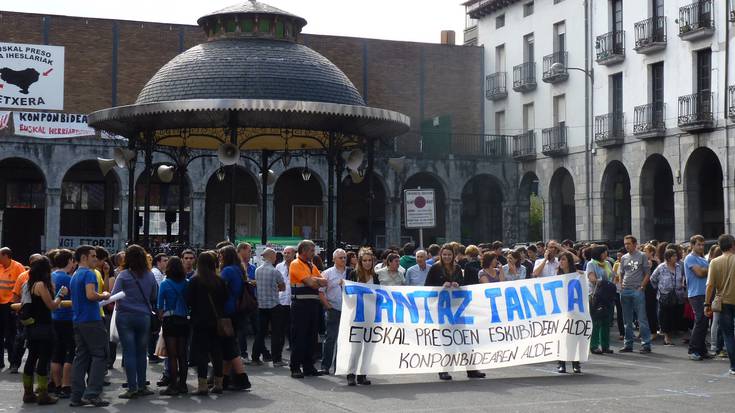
(49, 125)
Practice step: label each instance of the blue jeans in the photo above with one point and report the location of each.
(330, 343)
(727, 326)
(699, 331)
(134, 331)
(634, 304)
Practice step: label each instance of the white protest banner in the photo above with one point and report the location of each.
(31, 76)
(49, 125)
(408, 330)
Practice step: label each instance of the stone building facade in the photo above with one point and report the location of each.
(107, 63)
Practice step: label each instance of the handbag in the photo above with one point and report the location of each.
(155, 321)
(114, 336)
(716, 305)
(224, 324)
(247, 303)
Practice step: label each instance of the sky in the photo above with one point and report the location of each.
(407, 20)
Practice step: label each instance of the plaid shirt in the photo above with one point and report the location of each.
(268, 279)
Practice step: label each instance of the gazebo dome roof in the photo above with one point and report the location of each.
(250, 68)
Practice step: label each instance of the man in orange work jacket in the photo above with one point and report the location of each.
(305, 306)
(9, 272)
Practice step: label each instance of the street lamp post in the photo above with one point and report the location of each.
(557, 68)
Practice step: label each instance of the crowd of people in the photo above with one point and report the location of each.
(76, 307)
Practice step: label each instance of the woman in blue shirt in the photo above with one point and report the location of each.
(133, 318)
(64, 346)
(232, 273)
(173, 309)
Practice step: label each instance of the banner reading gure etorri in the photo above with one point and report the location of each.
(405, 330)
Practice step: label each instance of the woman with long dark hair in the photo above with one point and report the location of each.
(566, 266)
(174, 312)
(40, 333)
(447, 274)
(233, 274)
(206, 295)
(133, 319)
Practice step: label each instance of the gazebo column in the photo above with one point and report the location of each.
(264, 197)
(198, 201)
(147, 172)
(330, 196)
(371, 194)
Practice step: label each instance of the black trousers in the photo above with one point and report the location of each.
(265, 323)
(279, 330)
(7, 332)
(304, 333)
(652, 308)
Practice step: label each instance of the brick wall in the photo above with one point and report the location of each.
(451, 74)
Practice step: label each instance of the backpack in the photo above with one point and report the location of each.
(25, 315)
(248, 303)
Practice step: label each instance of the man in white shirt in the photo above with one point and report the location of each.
(416, 274)
(548, 265)
(160, 261)
(331, 298)
(282, 315)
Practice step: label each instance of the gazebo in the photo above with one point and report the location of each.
(250, 87)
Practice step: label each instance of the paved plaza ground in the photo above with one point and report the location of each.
(664, 381)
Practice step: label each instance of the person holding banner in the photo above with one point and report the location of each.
(366, 275)
(305, 281)
(566, 266)
(447, 274)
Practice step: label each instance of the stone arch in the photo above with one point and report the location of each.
(529, 231)
(23, 202)
(615, 200)
(355, 210)
(427, 180)
(657, 199)
(562, 208)
(703, 190)
(90, 201)
(482, 210)
(217, 204)
(167, 222)
(298, 206)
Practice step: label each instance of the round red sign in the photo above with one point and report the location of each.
(420, 202)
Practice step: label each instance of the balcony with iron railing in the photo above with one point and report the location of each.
(558, 73)
(696, 20)
(650, 35)
(462, 145)
(524, 146)
(554, 141)
(524, 77)
(495, 86)
(696, 112)
(731, 101)
(610, 48)
(732, 10)
(649, 120)
(610, 129)
(470, 36)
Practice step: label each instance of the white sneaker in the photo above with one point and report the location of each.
(732, 372)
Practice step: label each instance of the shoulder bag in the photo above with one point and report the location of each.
(224, 324)
(716, 305)
(155, 321)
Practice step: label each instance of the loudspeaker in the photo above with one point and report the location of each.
(106, 165)
(228, 154)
